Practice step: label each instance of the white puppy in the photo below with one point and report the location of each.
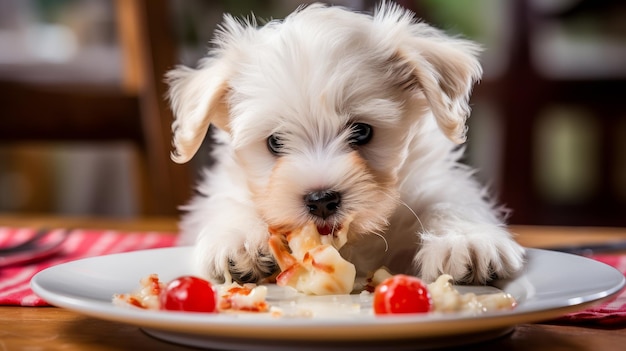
(332, 116)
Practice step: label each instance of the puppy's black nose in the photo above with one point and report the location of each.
(322, 203)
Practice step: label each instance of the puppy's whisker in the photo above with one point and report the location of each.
(384, 239)
(332, 231)
(404, 204)
(413, 212)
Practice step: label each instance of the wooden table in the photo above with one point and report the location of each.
(51, 328)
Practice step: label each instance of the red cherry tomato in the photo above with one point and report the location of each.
(402, 294)
(189, 294)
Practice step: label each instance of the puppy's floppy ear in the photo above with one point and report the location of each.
(446, 71)
(198, 98)
(444, 68)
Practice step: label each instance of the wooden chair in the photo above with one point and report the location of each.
(135, 111)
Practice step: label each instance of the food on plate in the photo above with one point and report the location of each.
(402, 294)
(188, 293)
(447, 299)
(146, 297)
(305, 268)
(309, 261)
(193, 294)
(392, 294)
(247, 297)
(407, 294)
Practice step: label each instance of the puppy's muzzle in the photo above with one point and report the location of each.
(322, 204)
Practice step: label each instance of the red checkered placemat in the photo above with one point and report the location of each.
(15, 280)
(608, 313)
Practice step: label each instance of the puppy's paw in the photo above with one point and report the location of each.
(243, 261)
(251, 267)
(474, 255)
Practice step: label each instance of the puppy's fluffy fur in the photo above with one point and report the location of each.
(310, 83)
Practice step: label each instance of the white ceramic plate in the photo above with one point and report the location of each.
(551, 284)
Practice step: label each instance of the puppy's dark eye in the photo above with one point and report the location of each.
(361, 134)
(274, 145)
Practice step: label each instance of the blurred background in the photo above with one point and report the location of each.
(84, 128)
